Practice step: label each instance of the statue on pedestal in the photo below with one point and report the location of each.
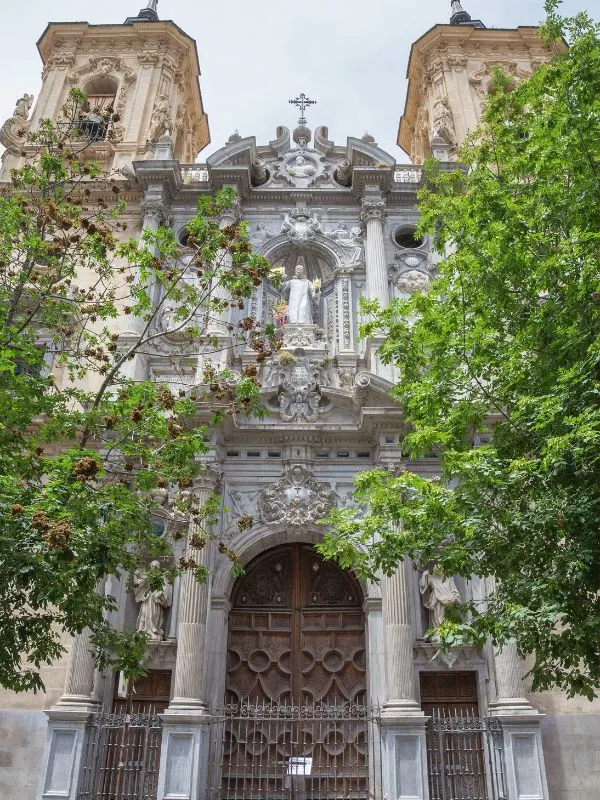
(153, 603)
(301, 294)
(23, 107)
(437, 593)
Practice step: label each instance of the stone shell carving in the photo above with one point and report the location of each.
(296, 499)
(413, 281)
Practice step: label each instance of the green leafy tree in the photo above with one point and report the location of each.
(506, 344)
(87, 453)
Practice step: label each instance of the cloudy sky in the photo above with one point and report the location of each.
(349, 55)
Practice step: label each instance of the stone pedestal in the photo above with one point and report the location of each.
(62, 756)
(67, 723)
(404, 723)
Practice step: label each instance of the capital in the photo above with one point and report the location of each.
(372, 208)
(154, 210)
(231, 215)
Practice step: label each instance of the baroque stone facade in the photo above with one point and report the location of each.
(346, 212)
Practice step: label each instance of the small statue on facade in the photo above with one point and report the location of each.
(160, 121)
(438, 592)
(443, 122)
(153, 603)
(301, 168)
(301, 294)
(349, 240)
(23, 107)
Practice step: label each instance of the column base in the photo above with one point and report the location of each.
(512, 706)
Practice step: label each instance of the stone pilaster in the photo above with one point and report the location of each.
(343, 296)
(372, 219)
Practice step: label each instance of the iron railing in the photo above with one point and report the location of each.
(465, 757)
(293, 752)
(121, 757)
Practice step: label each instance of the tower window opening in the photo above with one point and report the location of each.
(95, 114)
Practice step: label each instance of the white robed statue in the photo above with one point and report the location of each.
(438, 592)
(300, 294)
(153, 603)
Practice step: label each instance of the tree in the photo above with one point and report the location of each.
(505, 347)
(87, 454)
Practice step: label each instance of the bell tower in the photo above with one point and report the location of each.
(449, 74)
(147, 69)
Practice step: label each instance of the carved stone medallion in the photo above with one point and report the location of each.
(296, 499)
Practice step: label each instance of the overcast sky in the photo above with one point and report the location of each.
(349, 55)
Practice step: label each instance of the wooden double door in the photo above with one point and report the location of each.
(296, 632)
(295, 725)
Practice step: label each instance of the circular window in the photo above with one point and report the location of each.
(407, 237)
(183, 236)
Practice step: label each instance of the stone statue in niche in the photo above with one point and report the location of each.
(23, 107)
(153, 602)
(160, 121)
(437, 593)
(301, 294)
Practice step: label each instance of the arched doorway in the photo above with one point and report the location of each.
(295, 723)
(296, 632)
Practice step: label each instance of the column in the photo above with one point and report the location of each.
(372, 218)
(218, 353)
(67, 724)
(405, 753)
(185, 743)
(524, 755)
(401, 686)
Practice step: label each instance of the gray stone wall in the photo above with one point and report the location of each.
(572, 754)
(22, 738)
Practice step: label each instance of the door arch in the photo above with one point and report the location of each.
(296, 632)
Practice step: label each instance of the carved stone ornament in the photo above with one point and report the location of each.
(413, 281)
(442, 126)
(350, 240)
(160, 122)
(15, 129)
(296, 499)
(299, 395)
(300, 225)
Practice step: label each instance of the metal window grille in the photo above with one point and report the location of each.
(293, 752)
(465, 757)
(121, 757)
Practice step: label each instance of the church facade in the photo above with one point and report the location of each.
(295, 679)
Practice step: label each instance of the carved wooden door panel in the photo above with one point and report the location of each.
(295, 723)
(296, 632)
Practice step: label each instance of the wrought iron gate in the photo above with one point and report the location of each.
(465, 757)
(121, 757)
(290, 752)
